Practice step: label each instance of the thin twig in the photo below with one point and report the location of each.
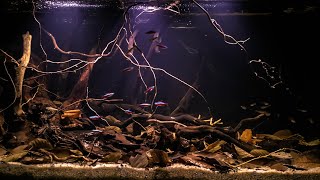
(165, 122)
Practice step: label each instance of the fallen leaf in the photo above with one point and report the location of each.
(246, 136)
(40, 143)
(156, 156)
(13, 157)
(2, 151)
(283, 134)
(311, 143)
(139, 161)
(195, 160)
(242, 153)
(259, 152)
(214, 147)
(19, 149)
(112, 157)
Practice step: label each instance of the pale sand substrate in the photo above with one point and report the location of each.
(117, 171)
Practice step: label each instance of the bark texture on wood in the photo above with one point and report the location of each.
(20, 71)
(79, 90)
(185, 102)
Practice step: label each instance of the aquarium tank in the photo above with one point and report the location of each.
(220, 85)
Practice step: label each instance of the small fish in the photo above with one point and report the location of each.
(150, 32)
(144, 105)
(156, 49)
(96, 130)
(188, 48)
(154, 38)
(253, 104)
(160, 103)
(243, 107)
(107, 95)
(162, 46)
(302, 110)
(52, 109)
(291, 119)
(130, 51)
(3, 79)
(265, 107)
(149, 89)
(131, 42)
(94, 117)
(128, 111)
(311, 121)
(263, 112)
(128, 69)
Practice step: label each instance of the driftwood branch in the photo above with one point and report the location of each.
(165, 122)
(161, 119)
(184, 119)
(72, 52)
(192, 130)
(187, 98)
(185, 101)
(20, 71)
(246, 121)
(79, 90)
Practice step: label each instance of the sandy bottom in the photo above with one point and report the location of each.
(118, 171)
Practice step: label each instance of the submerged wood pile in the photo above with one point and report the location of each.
(48, 134)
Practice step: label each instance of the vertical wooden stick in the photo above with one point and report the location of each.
(20, 71)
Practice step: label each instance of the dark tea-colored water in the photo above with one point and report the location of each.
(151, 83)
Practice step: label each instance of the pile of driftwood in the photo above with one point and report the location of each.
(48, 134)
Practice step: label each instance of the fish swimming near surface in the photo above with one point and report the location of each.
(160, 103)
(107, 95)
(149, 89)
